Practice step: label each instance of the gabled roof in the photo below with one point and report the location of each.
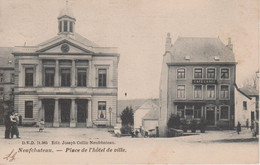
(6, 57)
(188, 49)
(152, 115)
(242, 92)
(249, 90)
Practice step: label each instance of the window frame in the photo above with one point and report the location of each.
(215, 73)
(105, 113)
(211, 98)
(198, 98)
(33, 77)
(1, 78)
(221, 73)
(65, 68)
(202, 71)
(106, 81)
(181, 78)
(220, 112)
(220, 95)
(44, 81)
(184, 92)
(245, 107)
(86, 71)
(65, 24)
(26, 107)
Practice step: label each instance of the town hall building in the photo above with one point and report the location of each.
(66, 81)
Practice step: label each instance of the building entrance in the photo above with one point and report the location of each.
(210, 115)
(81, 111)
(65, 106)
(49, 105)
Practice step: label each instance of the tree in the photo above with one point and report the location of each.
(174, 121)
(127, 116)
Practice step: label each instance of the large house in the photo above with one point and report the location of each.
(6, 80)
(197, 81)
(67, 81)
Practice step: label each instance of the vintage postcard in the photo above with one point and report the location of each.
(129, 82)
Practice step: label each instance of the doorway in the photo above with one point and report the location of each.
(82, 114)
(210, 115)
(49, 105)
(65, 106)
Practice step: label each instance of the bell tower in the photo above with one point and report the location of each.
(66, 21)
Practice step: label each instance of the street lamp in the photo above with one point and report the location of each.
(110, 112)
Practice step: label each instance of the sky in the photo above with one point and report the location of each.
(139, 28)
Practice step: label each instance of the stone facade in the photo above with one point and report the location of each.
(67, 81)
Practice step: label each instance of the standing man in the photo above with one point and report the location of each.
(7, 125)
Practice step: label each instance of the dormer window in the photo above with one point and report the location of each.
(65, 26)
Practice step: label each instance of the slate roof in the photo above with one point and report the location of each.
(249, 90)
(77, 37)
(201, 50)
(152, 115)
(6, 57)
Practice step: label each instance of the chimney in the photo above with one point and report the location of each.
(168, 42)
(230, 45)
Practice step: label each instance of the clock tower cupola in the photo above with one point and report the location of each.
(66, 21)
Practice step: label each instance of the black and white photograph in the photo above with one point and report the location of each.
(129, 82)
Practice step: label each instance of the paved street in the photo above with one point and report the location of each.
(211, 147)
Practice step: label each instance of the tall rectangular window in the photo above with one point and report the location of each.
(181, 91)
(198, 73)
(1, 92)
(49, 77)
(65, 26)
(65, 77)
(12, 77)
(211, 91)
(180, 110)
(224, 91)
(224, 112)
(244, 105)
(197, 111)
(198, 91)
(102, 77)
(211, 73)
(71, 26)
(28, 109)
(224, 73)
(101, 109)
(82, 77)
(1, 77)
(29, 77)
(181, 73)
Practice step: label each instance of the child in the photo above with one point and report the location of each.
(41, 126)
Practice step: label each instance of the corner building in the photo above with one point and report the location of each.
(197, 81)
(67, 81)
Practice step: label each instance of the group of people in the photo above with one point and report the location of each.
(11, 125)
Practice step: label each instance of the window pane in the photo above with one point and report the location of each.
(102, 77)
(28, 109)
(211, 91)
(65, 77)
(210, 73)
(198, 91)
(197, 111)
(29, 77)
(181, 91)
(224, 73)
(82, 76)
(224, 112)
(180, 110)
(71, 27)
(181, 73)
(60, 25)
(198, 73)
(49, 77)
(224, 92)
(244, 105)
(101, 109)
